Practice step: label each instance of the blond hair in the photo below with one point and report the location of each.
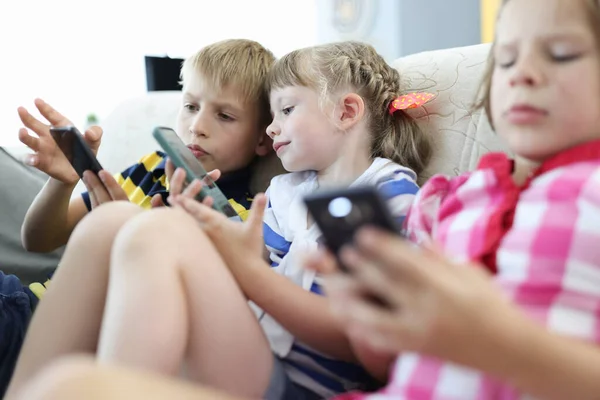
(593, 8)
(330, 68)
(243, 64)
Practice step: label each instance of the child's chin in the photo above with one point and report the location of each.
(293, 167)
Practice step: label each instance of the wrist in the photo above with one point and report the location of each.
(253, 276)
(60, 185)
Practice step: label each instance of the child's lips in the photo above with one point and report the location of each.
(525, 114)
(279, 146)
(197, 150)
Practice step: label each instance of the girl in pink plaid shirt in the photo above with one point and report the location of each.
(502, 299)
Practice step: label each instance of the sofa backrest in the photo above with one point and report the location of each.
(460, 134)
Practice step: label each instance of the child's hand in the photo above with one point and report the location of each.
(48, 158)
(103, 188)
(237, 242)
(176, 180)
(434, 306)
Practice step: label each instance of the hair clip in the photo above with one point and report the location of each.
(412, 100)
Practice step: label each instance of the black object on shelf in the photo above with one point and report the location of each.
(162, 73)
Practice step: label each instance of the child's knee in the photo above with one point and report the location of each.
(107, 219)
(158, 231)
(69, 378)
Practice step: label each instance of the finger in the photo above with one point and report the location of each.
(95, 187)
(177, 181)
(93, 201)
(32, 142)
(193, 189)
(157, 201)
(257, 213)
(54, 117)
(215, 174)
(199, 211)
(33, 123)
(376, 283)
(341, 286)
(169, 169)
(322, 262)
(93, 137)
(115, 191)
(208, 201)
(374, 318)
(377, 341)
(400, 258)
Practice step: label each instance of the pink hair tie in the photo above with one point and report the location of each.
(412, 100)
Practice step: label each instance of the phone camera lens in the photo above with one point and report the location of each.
(340, 207)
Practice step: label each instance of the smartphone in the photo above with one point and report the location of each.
(71, 142)
(182, 157)
(340, 214)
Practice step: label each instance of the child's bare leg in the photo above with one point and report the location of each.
(68, 318)
(171, 298)
(80, 378)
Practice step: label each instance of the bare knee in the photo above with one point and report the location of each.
(167, 232)
(104, 222)
(167, 226)
(70, 378)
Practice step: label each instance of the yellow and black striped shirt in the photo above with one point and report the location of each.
(147, 178)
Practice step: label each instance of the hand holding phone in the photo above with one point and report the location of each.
(340, 214)
(182, 157)
(72, 144)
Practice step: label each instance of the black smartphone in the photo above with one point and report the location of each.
(182, 157)
(71, 142)
(340, 214)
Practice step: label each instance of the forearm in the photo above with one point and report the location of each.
(543, 364)
(305, 315)
(555, 367)
(46, 225)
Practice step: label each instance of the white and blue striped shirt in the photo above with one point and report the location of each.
(287, 236)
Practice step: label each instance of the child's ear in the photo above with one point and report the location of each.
(264, 145)
(351, 111)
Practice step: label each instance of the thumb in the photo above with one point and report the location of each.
(93, 137)
(157, 201)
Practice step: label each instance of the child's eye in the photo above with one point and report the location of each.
(565, 58)
(505, 64)
(287, 110)
(190, 107)
(225, 117)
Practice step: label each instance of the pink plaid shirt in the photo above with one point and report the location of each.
(541, 240)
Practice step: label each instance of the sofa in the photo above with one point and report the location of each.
(461, 135)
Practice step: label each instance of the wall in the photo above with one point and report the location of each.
(86, 56)
(400, 27)
(489, 8)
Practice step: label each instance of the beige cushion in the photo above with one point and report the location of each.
(460, 134)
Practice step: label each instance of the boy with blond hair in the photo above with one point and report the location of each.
(222, 119)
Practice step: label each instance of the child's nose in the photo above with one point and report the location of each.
(527, 72)
(199, 126)
(273, 130)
